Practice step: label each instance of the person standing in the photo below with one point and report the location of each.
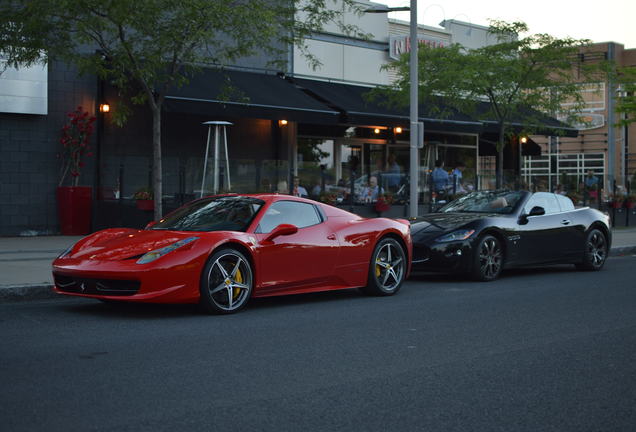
(591, 184)
(440, 178)
(458, 182)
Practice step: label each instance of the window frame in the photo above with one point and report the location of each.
(319, 214)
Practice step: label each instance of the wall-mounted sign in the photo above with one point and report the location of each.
(399, 45)
(24, 90)
(585, 121)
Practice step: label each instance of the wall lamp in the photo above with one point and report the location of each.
(104, 107)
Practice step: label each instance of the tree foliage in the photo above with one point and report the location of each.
(146, 47)
(517, 77)
(626, 103)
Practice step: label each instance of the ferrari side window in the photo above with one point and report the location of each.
(289, 212)
(543, 199)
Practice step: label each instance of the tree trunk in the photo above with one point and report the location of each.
(157, 182)
(500, 156)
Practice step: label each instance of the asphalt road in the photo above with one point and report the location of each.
(538, 350)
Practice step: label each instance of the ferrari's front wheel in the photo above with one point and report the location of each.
(226, 282)
(387, 268)
(488, 260)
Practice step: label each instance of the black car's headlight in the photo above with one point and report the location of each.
(462, 234)
(158, 253)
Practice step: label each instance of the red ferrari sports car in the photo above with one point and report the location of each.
(222, 250)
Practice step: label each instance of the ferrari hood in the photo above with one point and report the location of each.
(441, 222)
(121, 244)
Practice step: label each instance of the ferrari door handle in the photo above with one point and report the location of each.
(565, 222)
(331, 237)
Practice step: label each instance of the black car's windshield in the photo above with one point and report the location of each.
(227, 213)
(484, 202)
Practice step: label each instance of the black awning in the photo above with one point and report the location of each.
(357, 109)
(528, 118)
(488, 146)
(228, 93)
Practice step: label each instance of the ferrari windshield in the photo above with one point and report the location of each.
(226, 213)
(484, 202)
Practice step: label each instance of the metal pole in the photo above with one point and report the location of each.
(216, 159)
(414, 162)
(205, 162)
(227, 160)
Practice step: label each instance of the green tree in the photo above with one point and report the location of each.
(149, 46)
(626, 103)
(500, 82)
(22, 39)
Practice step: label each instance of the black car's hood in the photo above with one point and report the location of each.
(443, 222)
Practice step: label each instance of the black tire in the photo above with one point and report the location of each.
(226, 282)
(488, 259)
(595, 252)
(387, 268)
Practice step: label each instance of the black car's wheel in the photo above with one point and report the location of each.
(226, 282)
(488, 259)
(595, 251)
(387, 268)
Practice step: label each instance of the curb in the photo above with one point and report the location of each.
(27, 292)
(41, 291)
(622, 251)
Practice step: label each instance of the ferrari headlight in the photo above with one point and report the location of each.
(158, 253)
(455, 236)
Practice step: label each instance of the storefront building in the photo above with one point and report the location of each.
(602, 147)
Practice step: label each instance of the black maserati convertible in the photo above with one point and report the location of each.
(483, 232)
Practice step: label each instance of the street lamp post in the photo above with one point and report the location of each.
(415, 130)
(413, 171)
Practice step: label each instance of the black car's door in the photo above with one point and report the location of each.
(543, 238)
(575, 226)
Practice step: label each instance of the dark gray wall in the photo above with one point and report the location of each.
(29, 168)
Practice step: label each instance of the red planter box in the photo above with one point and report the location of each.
(74, 209)
(146, 205)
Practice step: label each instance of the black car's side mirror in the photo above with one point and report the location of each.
(534, 211)
(282, 230)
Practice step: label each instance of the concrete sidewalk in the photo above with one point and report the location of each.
(25, 262)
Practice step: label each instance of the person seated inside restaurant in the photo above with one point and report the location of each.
(372, 192)
(298, 190)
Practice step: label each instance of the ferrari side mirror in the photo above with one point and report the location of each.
(282, 230)
(151, 224)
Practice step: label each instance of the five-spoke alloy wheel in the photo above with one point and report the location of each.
(489, 258)
(226, 282)
(387, 268)
(595, 251)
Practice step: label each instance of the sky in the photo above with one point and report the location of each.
(599, 21)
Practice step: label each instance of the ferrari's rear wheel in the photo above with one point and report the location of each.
(387, 268)
(489, 258)
(226, 282)
(595, 251)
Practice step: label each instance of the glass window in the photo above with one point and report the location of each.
(289, 212)
(234, 213)
(484, 202)
(543, 199)
(565, 203)
(316, 166)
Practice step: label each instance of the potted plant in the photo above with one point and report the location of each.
(145, 199)
(630, 201)
(73, 200)
(383, 204)
(615, 201)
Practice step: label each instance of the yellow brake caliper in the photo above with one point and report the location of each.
(378, 269)
(239, 279)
